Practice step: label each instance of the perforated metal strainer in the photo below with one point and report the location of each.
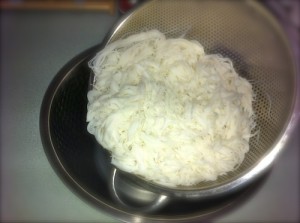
(247, 34)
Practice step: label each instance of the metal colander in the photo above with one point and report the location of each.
(247, 34)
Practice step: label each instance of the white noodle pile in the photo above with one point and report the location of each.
(169, 112)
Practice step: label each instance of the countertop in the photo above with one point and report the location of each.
(34, 46)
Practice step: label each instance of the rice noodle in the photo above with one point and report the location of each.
(167, 111)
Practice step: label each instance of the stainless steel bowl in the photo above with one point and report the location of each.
(84, 166)
(243, 31)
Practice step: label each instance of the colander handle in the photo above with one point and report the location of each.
(159, 202)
